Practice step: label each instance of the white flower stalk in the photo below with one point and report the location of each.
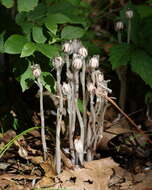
(67, 48)
(36, 70)
(79, 149)
(58, 62)
(129, 14)
(83, 52)
(75, 45)
(119, 26)
(77, 62)
(90, 87)
(66, 88)
(94, 62)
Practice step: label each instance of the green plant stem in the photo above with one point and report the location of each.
(42, 121)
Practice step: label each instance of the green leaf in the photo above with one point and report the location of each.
(48, 50)
(2, 42)
(75, 2)
(28, 49)
(14, 44)
(26, 78)
(119, 55)
(38, 35)
(57, 18)
(144, 10)
(26, 5)
(7, 3)
(52, 27)
(72, 32)
(48, 81)
(141, 63)
(80, 105)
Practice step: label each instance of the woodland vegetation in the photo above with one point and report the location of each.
(75, 94)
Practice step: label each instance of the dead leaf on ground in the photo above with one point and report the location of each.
(113, 131)
(94, 176)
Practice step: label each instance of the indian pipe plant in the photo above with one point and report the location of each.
(84, 127)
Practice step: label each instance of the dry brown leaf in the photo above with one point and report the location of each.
(8, 135)
(35, 133)
(36, 159)
(48, 167)
(95, 176)
(112, 132)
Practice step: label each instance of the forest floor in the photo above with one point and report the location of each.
(122, 162)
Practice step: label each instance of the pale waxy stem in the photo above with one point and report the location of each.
(129, 15)
(83, 83)
(76, 79)
(59, 121)
(36, 70)
(67, 90)
(119, 27)
(42, 120)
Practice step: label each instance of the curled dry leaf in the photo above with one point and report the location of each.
(112, 132)
(95, 176)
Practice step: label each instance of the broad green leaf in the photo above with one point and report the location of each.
(48, 50)
(144, 10)
(57, 18)
(14, 44)
(75, 2)
(26, 78)
(2, 42)
(26, 5)
(38, 13)
(7, 3)
(21, 20)
(119, 55)
(38, 35)
(48, 81)
(28, 49)
(72, 32)
(52, 27)
(141, 63)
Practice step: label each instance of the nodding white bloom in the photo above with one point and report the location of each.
(78, 145)
(75, 45)
(94, 62)
(67, 48)
(129, 14)
(99, 77)
(77, 62)
(83, 52)
(119, 25)
(90, 87)
(79, 149)
(36, 70)
(66, 88)
(58, 62)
